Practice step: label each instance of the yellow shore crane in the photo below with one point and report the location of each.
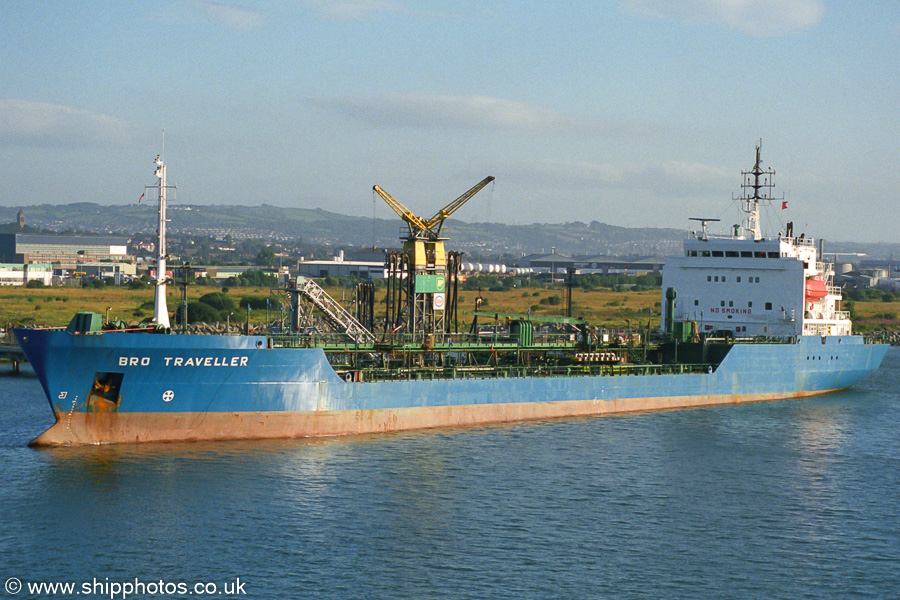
(419, 276)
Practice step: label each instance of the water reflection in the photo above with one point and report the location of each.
(776, 500)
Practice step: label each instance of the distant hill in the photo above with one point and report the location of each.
(317, 226)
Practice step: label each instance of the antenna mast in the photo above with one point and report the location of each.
(757, 187)
(160, 310)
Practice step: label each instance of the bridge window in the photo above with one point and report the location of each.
(717, 253)
(738, 278)
(768, 306)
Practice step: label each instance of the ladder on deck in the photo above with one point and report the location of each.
(336, 315)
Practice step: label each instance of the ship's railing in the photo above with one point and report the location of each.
(315, 340)
(815, 329)
(829, 327)
(799, 241)
(766, 339)
(513, 371)
(446, 341)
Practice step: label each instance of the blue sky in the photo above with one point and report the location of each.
(628, 112)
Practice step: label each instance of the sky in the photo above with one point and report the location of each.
(637, 113)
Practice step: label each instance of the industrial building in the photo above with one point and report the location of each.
(117, 271)
(547, 263)
(220, 273)
(20, 274)
(333, 268)
(339, 267)
(608, 265)
(559, 263)
(64, 252)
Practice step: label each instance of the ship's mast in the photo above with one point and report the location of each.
(757, 186)
(160, 310)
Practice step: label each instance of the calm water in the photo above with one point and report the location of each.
(797, 499)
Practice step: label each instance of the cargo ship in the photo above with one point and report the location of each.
(744, 318)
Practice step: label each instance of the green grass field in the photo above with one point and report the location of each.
(55, 306)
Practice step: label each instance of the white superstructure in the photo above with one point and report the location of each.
(752, 285)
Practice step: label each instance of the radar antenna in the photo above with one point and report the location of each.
(704, 225)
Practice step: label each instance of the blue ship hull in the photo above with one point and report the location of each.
(119, 387)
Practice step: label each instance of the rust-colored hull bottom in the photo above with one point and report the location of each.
(114, 428)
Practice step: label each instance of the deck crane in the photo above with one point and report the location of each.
(422, 229)
(420, 276)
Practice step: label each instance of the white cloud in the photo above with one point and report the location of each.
(662, 177)
(228, 15)
(468, 112)
(587, 172)
(761, 18)
(27, 122)
(352, 9)
(694, 172)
